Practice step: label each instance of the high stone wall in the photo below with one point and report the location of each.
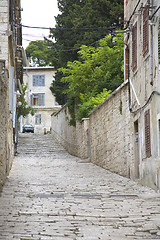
(110, 131)
(104, 138)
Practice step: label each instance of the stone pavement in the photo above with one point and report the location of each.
(51, 195)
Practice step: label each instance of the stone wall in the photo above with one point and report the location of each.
(106, 137)
(110, 143)
(74, 139)
(6, 139)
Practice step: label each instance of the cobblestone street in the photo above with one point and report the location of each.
(51, 195)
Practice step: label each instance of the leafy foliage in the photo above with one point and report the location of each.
(23, 109)
(87, 106)
(81, 23)
(39, 53)
(98, 69)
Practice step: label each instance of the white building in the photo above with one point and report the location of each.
(40, 97)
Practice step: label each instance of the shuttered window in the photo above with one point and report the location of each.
(145, 30)
(38, 99)
(134, 47)
(159, 43)
(38, 80)
(147, 134)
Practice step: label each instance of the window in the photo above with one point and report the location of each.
(134, 47)
(147, 134)
(145, 30)
(38, 119)
(38, 80)
(38, 99)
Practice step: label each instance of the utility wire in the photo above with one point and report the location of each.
(148, 101)
(150, 18)
(48, 28)
(128, 22)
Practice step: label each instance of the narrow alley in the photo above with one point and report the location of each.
(51, 195)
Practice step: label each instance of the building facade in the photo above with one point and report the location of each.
(40, 97)
(142, 59)
(10, 80)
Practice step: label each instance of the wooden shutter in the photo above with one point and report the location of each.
(159, 43)
(147, 134)
(126, 63)
(145, 30)
(134, 47)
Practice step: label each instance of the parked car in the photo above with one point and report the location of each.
(28, 128)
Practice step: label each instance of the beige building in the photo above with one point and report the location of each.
(142, 52)
(40, 97)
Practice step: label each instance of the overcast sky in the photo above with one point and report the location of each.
(39, 13)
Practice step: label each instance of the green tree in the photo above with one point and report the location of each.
(23, 109)
(39, 52)
(98, 68)
(87, 106)
(81, 22)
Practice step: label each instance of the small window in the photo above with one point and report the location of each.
(38, 80)
(38, 99)
(38, 119)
